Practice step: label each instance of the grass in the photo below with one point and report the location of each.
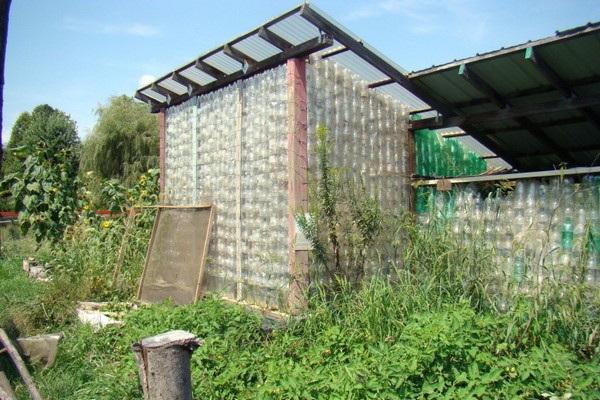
(431, 329)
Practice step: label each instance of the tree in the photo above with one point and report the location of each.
(124, 142)
(4, 11)
(44, 184)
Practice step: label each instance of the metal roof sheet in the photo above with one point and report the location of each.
(536, 105)
(301, 31)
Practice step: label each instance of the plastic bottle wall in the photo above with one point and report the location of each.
(541, 230)
(369, 130)
(211, 177)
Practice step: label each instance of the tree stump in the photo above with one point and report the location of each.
(164, 365)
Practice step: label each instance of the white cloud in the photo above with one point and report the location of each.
(145, 80)
(86, 26)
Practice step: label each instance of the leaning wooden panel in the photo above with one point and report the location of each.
(175, 259)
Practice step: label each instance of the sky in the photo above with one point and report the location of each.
(75, 54)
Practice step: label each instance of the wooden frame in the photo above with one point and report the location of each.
(172, 265)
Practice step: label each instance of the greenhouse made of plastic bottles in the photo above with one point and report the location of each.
(238, 126)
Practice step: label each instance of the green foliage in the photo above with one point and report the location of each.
(45, 192)
(107, 254)
(124, 142)
(44, 185)
(342, 221)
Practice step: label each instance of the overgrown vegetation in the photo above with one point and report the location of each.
(431, 326)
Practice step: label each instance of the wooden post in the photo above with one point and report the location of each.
(297, 178)
(161, 152)
(20, 365)
(164, 365)
(6, 392)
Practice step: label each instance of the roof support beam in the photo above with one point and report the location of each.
(380, 83)
(334, 52)
(547, 71)
(209, 69)
(375, 60)
(504, 114)
(524, 122)
(274, 39)
(299, 51)
(182, 80)
(481, 86)
(239, 56)
(169, 95)
(539, 134)
(147, 99)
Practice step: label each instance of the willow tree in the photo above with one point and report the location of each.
(124, 142)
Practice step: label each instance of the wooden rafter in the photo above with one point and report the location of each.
(301, 50)
(542, 66)
(482, 86)
(523, 122)
(334, 52)
(504, 114)
(187, 83)
(239, 56)
(274, 39)
(209, 69)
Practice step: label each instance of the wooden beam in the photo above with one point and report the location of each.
(380, 83)
(299, 51)
(373, 59)
(504, 114)
(239, 56)
(297, 179)
(541, 136)
(274, 39)
(182, 80)
(164, 92)
(209, 69)
(481, 86)
(542, 66)
(147, 99)
(334, 52)
(20, 366)
(491, 143)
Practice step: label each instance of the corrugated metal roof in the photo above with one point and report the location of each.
(301, 31)
(536, 105)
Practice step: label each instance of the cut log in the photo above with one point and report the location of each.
(164, 365)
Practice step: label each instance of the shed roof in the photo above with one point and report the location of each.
(536, 105)
(299, 32)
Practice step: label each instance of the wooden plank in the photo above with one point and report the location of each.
(147, 99)
(274, 39)
(297, 178)
(334, 52)
(542, 66)
(239, 56)
(481, 86)
(380, 83)
(299, 51)
(20, 366)
(161, 153)
(182, 80)
(200, 287)
(164, 92)
(504, 114)
(209, 69)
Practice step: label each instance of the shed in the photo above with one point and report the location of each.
(237, 122)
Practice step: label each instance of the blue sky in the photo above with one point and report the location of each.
(75, 54)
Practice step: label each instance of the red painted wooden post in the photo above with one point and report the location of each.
(161, 152)
(297, 173)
